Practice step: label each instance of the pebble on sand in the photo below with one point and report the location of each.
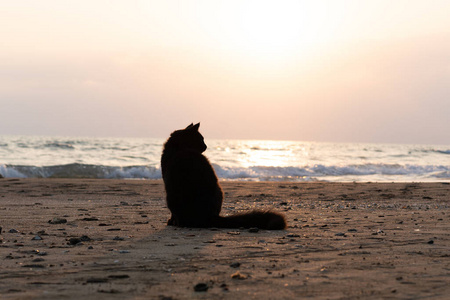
(201, 287)
(57, 220)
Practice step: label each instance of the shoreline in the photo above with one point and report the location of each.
(344, 241)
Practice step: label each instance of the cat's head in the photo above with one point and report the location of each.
(188, 138)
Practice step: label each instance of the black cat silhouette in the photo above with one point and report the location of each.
(194, 195)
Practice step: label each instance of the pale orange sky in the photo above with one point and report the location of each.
(341, 71)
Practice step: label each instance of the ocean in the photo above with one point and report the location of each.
(247, 160)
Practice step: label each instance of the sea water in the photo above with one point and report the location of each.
(134, 158)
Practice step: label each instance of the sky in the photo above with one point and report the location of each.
(332, 71)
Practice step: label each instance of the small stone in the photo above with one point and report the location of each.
(254, 229)
(340, 234)
(293, 236)
(13, 231)
(36, 238)
(235, 265)
(57, 220)
(352, 230)
(85, 238)
(118, 238)
(74, 241)
(201, 287)
(430, 242)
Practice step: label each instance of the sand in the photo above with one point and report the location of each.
(107, 239)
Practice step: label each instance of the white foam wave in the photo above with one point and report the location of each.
(391, 172)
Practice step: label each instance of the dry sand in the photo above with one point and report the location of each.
(344, 241)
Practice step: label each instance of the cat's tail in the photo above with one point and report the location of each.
(260, 219)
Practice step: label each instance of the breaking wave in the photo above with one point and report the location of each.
(379, 172)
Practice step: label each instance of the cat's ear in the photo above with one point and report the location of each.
(190, 126)
(196, 126)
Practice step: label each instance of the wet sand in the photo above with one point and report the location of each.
(107, 239)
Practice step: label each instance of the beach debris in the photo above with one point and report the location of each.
(239, 276)
(13, 231)
(36, 238)
(234, 232)
(124, 251)
(201, 287)
(235, 265)
(253, 229)
(57, 220)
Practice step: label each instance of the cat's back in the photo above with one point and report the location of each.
(189, 164)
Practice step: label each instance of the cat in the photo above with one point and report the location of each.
(194, 196)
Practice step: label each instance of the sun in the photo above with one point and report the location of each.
(274, 30)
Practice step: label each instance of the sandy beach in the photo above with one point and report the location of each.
(108, 239)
